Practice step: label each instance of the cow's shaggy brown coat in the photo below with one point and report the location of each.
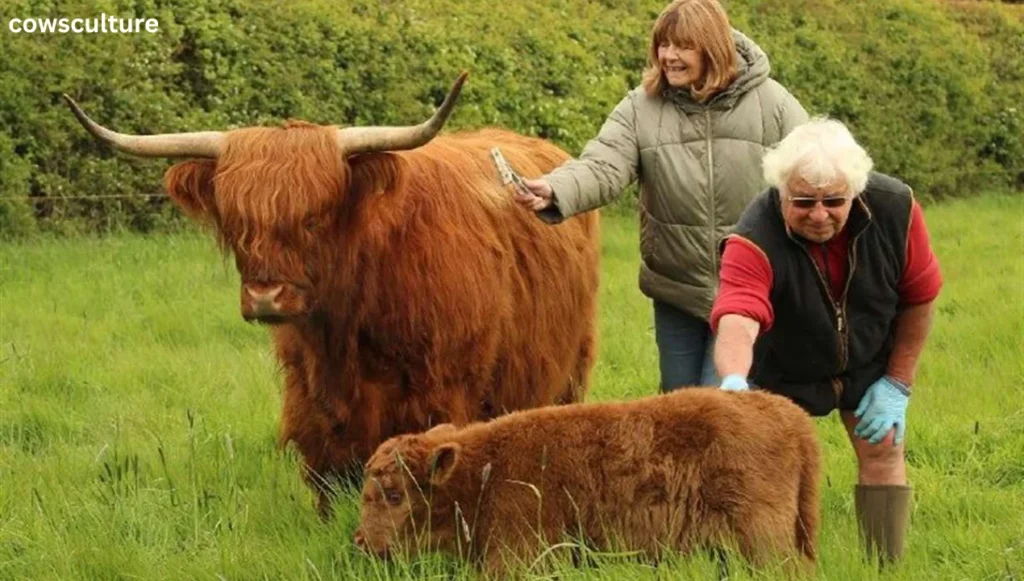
(692, 469)
(412, 289)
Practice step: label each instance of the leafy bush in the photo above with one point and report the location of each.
(933, 90)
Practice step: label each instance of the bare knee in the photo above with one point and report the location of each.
(881, 463)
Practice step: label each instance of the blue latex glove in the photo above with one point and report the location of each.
(734, 382)
(883, 407)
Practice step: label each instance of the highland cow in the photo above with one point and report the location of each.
(403, 286)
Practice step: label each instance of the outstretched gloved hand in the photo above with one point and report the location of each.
(734, 382)
(883, 407)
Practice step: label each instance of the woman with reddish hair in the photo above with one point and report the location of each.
(693, 134)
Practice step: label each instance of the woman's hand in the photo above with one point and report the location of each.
(537, 196)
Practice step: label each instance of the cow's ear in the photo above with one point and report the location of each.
(443, 460)
(375, 173)
(190, 185)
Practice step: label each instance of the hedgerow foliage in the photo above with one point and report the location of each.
(932, 89)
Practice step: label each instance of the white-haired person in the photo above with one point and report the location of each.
(827, 289)
(693, 135)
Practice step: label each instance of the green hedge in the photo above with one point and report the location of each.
(933, 89)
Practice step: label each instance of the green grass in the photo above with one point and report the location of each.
(138, 419)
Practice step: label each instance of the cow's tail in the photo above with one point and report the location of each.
(807, 496)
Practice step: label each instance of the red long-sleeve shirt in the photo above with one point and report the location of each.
(745, 278)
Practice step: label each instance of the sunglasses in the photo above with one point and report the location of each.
(806, 203)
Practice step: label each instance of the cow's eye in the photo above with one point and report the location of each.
(393, 497)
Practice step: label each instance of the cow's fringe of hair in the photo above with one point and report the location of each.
(259, 194)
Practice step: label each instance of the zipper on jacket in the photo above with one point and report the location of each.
(711, 189)
(837, 307)
(852, 258)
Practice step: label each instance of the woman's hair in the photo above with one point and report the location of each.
(822, 152)
(699, 24)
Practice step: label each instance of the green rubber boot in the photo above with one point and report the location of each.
(882, 514)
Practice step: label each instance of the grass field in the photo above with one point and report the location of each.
(138, 419)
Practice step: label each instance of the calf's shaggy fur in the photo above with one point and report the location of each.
(693, 469)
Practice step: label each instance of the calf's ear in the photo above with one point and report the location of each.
(440, 429)
(443, 460)
(190, 185)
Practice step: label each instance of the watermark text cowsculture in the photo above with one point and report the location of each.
(102, 24)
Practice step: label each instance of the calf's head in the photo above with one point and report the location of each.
(278, 198)
(403, 493)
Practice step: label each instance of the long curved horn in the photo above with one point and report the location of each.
(353, 140)
(198, 144)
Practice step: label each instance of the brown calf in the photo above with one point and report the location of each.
(697, 468)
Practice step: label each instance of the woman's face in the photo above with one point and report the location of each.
(682, 67)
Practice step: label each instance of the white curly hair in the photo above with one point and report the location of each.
(823, 152)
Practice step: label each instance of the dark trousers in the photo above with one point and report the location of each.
(685, 348)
